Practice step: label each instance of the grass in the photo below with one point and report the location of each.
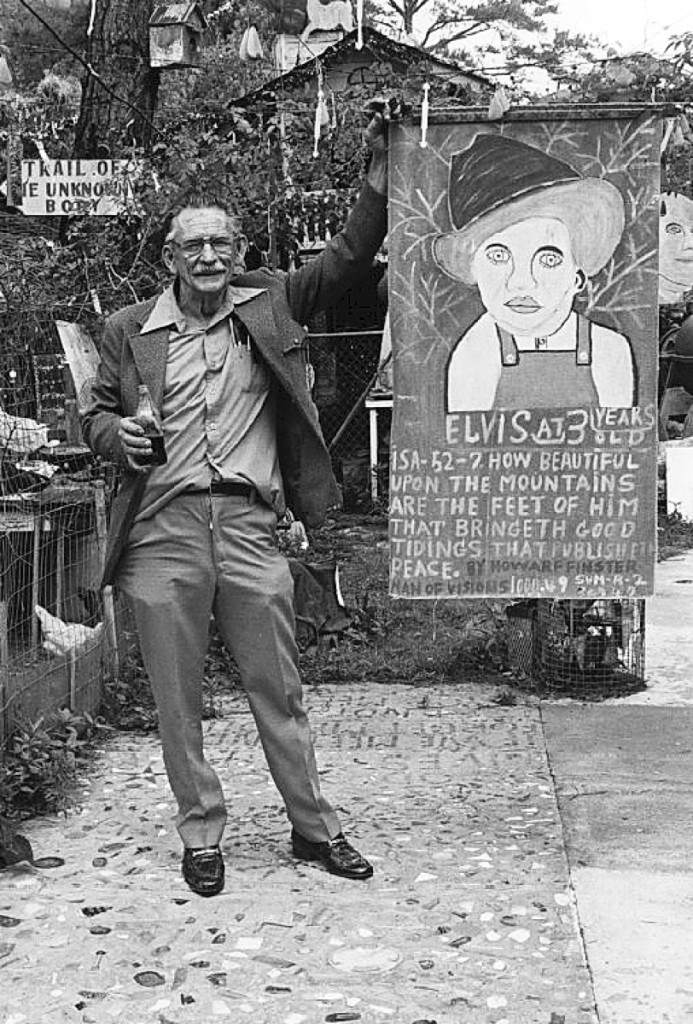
(391, 640)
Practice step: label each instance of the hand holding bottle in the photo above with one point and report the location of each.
(135, 445)
(141, 435)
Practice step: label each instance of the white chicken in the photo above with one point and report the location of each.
(63, 637)
(21, 435)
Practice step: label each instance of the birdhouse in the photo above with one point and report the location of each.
(175, 35)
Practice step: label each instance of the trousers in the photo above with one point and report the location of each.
(203, 555)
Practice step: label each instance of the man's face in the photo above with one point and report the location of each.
(202, 252)
(527, 276)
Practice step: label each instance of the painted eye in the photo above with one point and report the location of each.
(549, 259)
(674, 229)
(497, 254)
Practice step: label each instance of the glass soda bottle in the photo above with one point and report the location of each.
(148, 418)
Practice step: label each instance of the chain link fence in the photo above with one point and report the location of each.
(346, 366)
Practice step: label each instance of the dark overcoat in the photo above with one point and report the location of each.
(275, 320)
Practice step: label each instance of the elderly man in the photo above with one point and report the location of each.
(224, 357)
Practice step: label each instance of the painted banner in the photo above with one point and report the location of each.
(95, 188)
(523, 283)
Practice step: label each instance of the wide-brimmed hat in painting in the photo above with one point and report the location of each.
(497, 182)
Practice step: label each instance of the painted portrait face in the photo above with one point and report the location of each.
(675, 247)
(528, 277)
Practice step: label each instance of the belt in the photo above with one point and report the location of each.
(227, 487)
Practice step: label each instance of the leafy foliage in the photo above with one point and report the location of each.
(640, 77)
(645, 78)
(39, 766)
(450, 23)
(258, 151)
(128, 702)
(32, 47)
(261, 150)
(674, 533)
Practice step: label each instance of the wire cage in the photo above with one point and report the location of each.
(345, 365)
(52, 623)
(53, 508)
(581, 647)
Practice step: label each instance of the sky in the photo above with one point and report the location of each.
(628, 25)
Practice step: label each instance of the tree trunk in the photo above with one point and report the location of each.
(118, 50)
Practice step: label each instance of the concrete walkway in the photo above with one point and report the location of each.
(470, 916)
(624, 780)
(482, 894)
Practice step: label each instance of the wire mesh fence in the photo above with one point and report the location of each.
(54, 635)
(51, 618)
(582, 647)
(346, 368)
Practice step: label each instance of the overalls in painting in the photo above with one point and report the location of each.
(541, 378)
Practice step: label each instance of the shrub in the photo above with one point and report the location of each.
(39, 765)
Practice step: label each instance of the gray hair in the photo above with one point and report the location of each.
(200, 200)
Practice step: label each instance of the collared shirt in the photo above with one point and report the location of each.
(217, 408)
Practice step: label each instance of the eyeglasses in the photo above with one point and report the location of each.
(194, 247)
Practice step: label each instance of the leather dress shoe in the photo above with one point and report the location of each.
(337, 855)
(203, 870)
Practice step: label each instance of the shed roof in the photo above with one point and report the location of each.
(187, 12)
(381, 47)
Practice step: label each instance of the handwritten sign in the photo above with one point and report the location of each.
(56, 188)
(523, 285)
(531, 504)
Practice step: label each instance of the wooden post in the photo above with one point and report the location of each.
(109, 619)
(9, 173)
(4, 677)
(4, 647)
(72, 679)
(273, 255)
(59, 570)
(4, 635)
(4, 707)
(35, 570)
(373, 437)
(5, 590)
